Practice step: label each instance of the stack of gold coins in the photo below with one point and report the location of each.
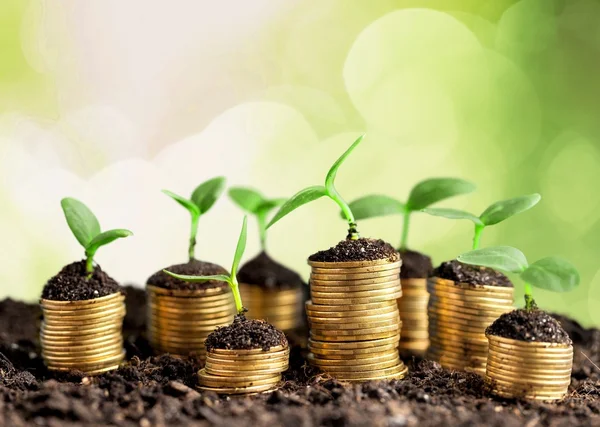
(180, 320)
(243, 371)
(459, 314)
(413, 312)
(354, 320)
(531, 370)
(83, 335)
(280, 307)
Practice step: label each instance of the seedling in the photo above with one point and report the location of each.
(316, 192)
(86, 229)
(232, 278)
(495, 213)
(256, 204)
(203, 197)
(424, 194)
(551, 273)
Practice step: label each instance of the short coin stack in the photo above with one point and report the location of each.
(280, 307)
(243, 371)
(354, 321)
(180, 320)
(459, 314)
(83, 335)
(532, 370)
(413, 312)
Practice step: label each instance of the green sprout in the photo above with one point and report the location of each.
(316, 192)
(551, 273)
(86, 229)
(424, 194)
(203, 198)
(495, 213)
(232, 278)
(256, 204)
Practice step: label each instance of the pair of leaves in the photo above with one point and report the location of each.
(424, 194)
(252, 201)
(203, 197)
(551, 273)
(86, 227)
(495, 213)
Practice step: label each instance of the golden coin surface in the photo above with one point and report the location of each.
(353, 345)
(372, 375)
(70, 351)
(352, 264)
(393, 274)
(363, 353)
(358, 331)
(239, 390)
(255, 366)
(349, 338)
(243, 352)
(357, 307)
(354, 295)
(81, 303)
(90, 364)
(364, 269)
(357, 282)
(108, 310)
(360, 368)
(249, 357)
(392, 314)
(236, 373)
(325, 363)
(354, 302)
(354, 326)
(390, 287)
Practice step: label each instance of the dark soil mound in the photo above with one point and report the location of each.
(415, 265)
(266, 272)
(73, 284)
(472, 274)
(357, 250)
(245, 334)
(192, 268)
(529, 325)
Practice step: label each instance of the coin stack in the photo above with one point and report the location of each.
(243, 371)
(532, 370)
(83, 335)
(459, 314)
(413, 312)
(354, 321)
(280, 307)
(180, 320)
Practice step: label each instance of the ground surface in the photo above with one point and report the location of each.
(160, 390)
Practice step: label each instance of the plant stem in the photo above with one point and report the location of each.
(262, 230)
(89, 265)
(529, 301)
(405, 224)
(237, 297)
(193, 233)
(477, 238)
(352, 230)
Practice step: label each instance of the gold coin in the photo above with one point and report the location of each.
(81, 303)
(372, 375)
(524, 350)
(352, 264)
(341, 315)
(354, 302)
(88, 364)
(82, 358)
(88, 372)
(347, 338)
(245, 352)
(530, 361)
(521, 375)
(357, 331)
(392, 286)
(83, 327)
(216, 381)
(531, 365)
(408, 334)
(449, 284)
(500, 379)
(446, 324)
(361, 269)
(188, 326)
(272, 362)
(357, 282)
(391, 315)
(236, 373)
(86, 351)
(466, 317)
(186, 293)
(512, 343)
(240, 390)
(360, 368)
(95, 311)
(192, 306)
(352, 362)
(450, 298)
(241, 368)
(393, 274)
(416, 346)
(332, 293)
(257, 356)
(351, 327)
(315, 344)
(359, 353)
(414, 283)
(358, 307)
(80, 341)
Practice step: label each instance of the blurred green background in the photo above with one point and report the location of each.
(97, 102)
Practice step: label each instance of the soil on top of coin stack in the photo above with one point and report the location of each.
(73, 284)
(193, 268)
(363, 249)
(471, 274)
(415, 265)
(245, 334)
(529, 325)
(265, 272)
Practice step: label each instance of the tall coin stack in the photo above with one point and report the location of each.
(83, 335)
(459, 314)
(180, 320)
(243, 371)
(354, 320)
(280, 307)
(413, 312)
(531, 370)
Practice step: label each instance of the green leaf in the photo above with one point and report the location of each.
(81, 220)
(504, 209)
(329, 180)
(452, 214)
(553, 274)
(105, 238)
(503, 258)
(240, 248)
(246, 198)
(199, 279)
(301, 198)
(207, 193)
(434, 190)
(268, 205)
(188, 204)
(375, 205)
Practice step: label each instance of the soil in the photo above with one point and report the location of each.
(529, 325)
(415, 265)
(264, 271)
(246, 334)
(362, 249)
(471, 274)
(159, 390)
(72, 284)
(192, 268)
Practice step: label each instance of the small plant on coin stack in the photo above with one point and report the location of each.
(416, 267)
(530, 354)
(353, 314)
(247, 356)
(83, 307)
(182, 314)
(464, 299)
(270, 290)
